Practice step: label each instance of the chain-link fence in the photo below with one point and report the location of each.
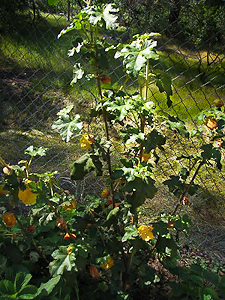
(36, 72)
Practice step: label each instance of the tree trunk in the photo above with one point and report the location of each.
(174, 12)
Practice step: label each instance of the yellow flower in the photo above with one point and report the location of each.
(105, 193)
(71, 206)
(145, 232)
(86, 141)
(27, 196)
(69, 250)
(110, 263)
(9, 219)
(145, 156)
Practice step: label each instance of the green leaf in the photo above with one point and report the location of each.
(140, 189)
(79, 168)
(112, 213)
(62, 262)
(7, 287)
(211, 277)
(68, 29)
(34, 151)
(46, 288)
(136, 54)
(154, 139)
(84, 165)
(46, 218)
(210, 153)
(78, 73)
(119, 107)
(197, 280)
(103, 286)
(222, 282)
(65, 111)
(131, 233)
(109, 17)
(66, 126)
(175, 123)
(21, 281)
(28, 292)
(163, 244)
(163, 83)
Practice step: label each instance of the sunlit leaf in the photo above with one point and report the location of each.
(62, 261)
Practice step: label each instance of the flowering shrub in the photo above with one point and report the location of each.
(95, 247)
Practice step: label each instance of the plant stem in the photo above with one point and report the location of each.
(29, 237)
(2, 162)
(146, 79)
(188, 187)
(107, 138)
(143, 131)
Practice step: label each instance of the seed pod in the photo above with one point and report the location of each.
(171, 224)
(93, 272)
(105, 79)
(69, 237)
(61, 223)
(7, 170)
(219, 103)
(31, 228)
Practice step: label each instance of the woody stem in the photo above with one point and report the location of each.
(107, 138)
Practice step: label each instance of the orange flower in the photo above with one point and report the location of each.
(108, 265)
(93, 272)
(27, 196)
(9, 219)
(2, 191)
(69, 237)
(69, 250)
(105, 79)
(86, 141)
(105, 193)
(211, 123)
(61, 223)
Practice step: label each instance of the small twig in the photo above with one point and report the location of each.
(32, 241)
(187, 188)
(108, 139)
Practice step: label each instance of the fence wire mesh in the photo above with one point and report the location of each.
(36, 72)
